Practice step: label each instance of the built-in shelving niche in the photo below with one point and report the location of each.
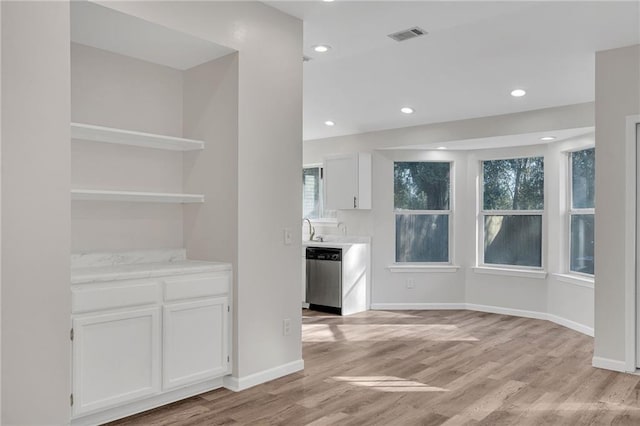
(154, 166)
(138, 175)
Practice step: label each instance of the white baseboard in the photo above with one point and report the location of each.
(416, 306)
(507, 311)
(576, 326)
(237, 384)
(609, 364)
(145, 404)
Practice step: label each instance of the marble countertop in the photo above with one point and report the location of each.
(100, 267)
(337, 241)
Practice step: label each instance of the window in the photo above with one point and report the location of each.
(312, 207)
(582, 165)
(511, 213)
(422, 193)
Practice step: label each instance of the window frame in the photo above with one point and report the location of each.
(449, 213)
(481, 213)
(570, 212)
(323, 211)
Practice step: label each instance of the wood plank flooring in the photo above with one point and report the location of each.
(425, 368)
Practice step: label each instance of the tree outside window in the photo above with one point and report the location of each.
(512, 210)
(422, 192)
(582, 166)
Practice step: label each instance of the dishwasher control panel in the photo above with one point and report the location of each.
(324, 253)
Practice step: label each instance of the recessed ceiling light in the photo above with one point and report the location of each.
(442, 147)
(321, 48)
(327, 1)
(329, 123)
(517, 93)
(547, 138)
(406, 110)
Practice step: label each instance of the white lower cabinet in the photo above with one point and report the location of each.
(116, 358)
(173, 344)
(194, 344)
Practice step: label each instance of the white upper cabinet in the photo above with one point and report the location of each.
(347, 180)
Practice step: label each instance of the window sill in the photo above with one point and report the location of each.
(523, 273)
(423, 268)
(575, 280)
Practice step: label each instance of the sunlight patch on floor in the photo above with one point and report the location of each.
(316, 333)
(388, 384)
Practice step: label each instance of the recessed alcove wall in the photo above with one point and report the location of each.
(113, 90)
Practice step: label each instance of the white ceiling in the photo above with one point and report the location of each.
(107, 29)
(474, 55)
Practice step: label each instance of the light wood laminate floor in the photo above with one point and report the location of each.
(426, 368)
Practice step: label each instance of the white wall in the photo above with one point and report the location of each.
(113, 90)
(522, 293)
(433, 287)
(565, 299)
(269, 158)
(571, 303)
(617, 96)
(36, 297)
(211, 114)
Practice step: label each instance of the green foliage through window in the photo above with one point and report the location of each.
(421, 185)
(582, 223)
(515, 184)
(583, 171)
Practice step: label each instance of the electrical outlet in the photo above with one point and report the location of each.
(286, 327)
(286, 233)
(411, 283)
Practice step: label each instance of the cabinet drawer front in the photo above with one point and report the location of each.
(96, 298)
(197, 286)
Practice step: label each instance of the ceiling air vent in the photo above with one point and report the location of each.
(407, 34)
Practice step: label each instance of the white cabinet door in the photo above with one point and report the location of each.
(341, 182)
(195, 343)
(347, 180)
(116, 358)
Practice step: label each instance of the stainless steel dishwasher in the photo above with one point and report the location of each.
(324, 279)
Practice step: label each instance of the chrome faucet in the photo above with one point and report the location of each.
(312, 231)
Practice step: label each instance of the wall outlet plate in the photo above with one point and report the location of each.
(286, 327)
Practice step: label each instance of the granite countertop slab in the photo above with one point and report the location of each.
(89, 268)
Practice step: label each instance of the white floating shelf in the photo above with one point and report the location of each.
(143, 197)
(89, 132)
